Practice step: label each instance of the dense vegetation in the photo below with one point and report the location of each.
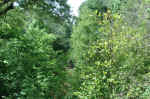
(46, 53)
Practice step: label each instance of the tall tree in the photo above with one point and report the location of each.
(109, 50)
(33, 49)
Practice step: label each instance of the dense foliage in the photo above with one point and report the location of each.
(33, 54)
(111, 51)
(45, 53)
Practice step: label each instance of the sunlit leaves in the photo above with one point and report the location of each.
(112, 60)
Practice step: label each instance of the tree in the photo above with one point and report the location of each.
(109, 52)
(30, 64)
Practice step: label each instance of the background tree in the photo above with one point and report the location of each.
(108, 50)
